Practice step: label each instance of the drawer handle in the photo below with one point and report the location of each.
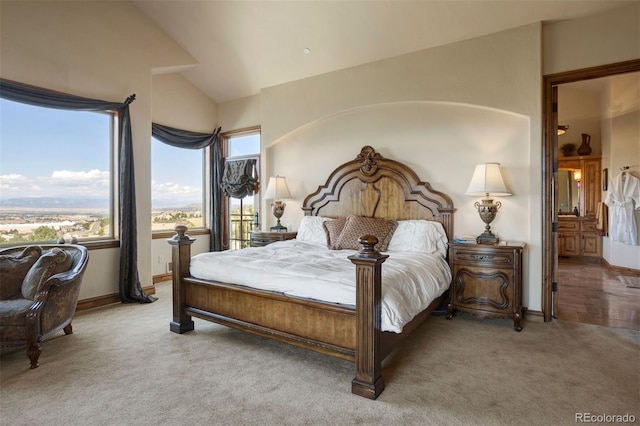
(482, 256)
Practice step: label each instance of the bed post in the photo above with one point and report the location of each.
(368, 381)
(181, 257)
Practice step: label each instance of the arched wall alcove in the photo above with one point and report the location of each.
(441, 141)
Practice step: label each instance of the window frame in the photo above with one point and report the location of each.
(206, 197)
(224, 138)
(112, 240)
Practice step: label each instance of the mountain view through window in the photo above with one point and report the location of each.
(55, 174)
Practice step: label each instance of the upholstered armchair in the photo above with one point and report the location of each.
(39, 288)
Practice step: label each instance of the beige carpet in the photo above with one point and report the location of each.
(122, 366)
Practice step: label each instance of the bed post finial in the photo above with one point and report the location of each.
(181, 233)
(368, 243)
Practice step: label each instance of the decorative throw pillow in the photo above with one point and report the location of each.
(311, 230)
(13, 268)
(332, 229)
(425, 236)
(50, 263)
(357, 226)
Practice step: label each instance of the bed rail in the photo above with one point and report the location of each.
(365, 345)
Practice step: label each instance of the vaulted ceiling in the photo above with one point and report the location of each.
(244, 46)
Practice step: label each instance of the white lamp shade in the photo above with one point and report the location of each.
(277, 189)
(487, 179)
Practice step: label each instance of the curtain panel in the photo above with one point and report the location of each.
(130, 289)
(193, 140)
(239, 179)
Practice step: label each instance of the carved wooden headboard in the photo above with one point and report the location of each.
(374, 186)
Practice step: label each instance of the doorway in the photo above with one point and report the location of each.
(550, 168)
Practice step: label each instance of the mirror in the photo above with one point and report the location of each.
(569, 191)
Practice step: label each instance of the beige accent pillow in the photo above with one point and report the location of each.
(332, 229)
(13, 269)
(358, 226)
(425, 236)
(49, 264)
(311, 230)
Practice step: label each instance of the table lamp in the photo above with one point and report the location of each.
(277, 189)
(487, 181)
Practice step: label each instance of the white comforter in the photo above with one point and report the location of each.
(410, 280)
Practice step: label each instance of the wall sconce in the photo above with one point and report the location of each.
(487, 180)
(562, 129)
(577, 176)
(277, 189)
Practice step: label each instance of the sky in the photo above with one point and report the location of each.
(33, 164)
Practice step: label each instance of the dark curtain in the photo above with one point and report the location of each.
(239, 178)
(194, 140)
(130, 289)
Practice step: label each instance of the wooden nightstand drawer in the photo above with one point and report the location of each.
(483, 257)
(263, 238)
(259, 241)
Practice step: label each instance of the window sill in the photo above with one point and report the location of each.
(157, 235)
(91, 245)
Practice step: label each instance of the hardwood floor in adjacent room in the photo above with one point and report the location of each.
(593, 294)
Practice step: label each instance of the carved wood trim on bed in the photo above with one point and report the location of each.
(374, 186)
(369, 186)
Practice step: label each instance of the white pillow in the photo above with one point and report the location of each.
(311, 230)
(425, 236)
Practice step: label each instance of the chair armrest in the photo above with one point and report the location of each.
(56, 300)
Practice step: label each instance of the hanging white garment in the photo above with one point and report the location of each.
(624, 192)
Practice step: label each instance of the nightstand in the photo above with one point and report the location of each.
(263, 238)
(487, 280)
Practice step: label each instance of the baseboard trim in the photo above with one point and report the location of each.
(533, 316)
(108, 299)
(621, 269)
(162, 277)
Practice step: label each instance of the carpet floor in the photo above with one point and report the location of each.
(122, 366)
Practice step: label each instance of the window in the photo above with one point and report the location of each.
(242, 214)
(177, 187)
(56, 174)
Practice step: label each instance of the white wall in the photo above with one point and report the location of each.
(424, 135)
(580, 109)
(621, 140)
(605, 38)
(610, 37)
(103, 50)
(498, 76)
(441, 111)
(177, 103)
(240, 113)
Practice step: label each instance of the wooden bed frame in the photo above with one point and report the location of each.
(370, 186)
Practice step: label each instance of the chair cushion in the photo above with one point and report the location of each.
(13, 269)
(50, 263)
(14, 312)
